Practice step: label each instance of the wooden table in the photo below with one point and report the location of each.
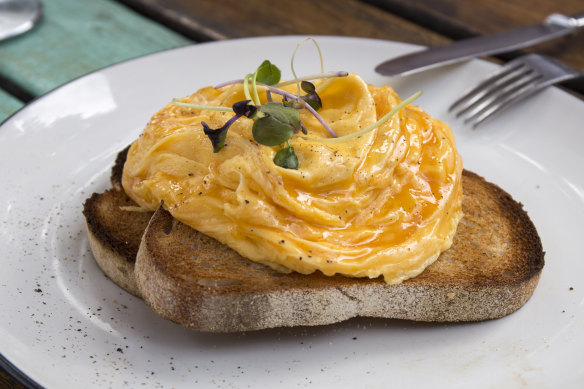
(77, 37)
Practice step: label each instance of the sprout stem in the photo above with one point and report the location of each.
(383, 119)
(307, 106)
(290, 95)
(296, 80)
(246, 88)
(198, 106)
(254, 89)
(314, 77)
(283, 83)
(226, 83)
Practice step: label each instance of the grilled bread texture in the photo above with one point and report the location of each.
(490, 271)
(114, 231)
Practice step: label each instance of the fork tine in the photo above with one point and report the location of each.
(515, 81)
(478, 91)
(499, 92)
(500, 86)
(526, 88)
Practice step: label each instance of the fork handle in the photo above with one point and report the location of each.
(562, 20)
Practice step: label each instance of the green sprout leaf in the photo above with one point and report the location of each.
(283, 114)
(279, 124)
(286, 158)
(269, 131)
(295, 103)
(311, 97)
(268, 74)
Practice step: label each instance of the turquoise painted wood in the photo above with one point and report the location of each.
(8, 105)
(74, 38)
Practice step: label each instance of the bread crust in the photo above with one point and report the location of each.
(114, 235)
(490, 271)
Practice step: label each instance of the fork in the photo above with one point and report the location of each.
(518, 79)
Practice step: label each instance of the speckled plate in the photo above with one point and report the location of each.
(64, 324)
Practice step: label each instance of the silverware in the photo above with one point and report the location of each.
(18, 16)
(515, 81)
(554, 26)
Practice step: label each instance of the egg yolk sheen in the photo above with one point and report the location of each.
(386, 203)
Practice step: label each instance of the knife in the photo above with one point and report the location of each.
(554, 26)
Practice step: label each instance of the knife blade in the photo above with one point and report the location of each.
(554, 26)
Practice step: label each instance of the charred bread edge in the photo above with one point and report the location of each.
(118, 169)
(112, 256)
(117, 267)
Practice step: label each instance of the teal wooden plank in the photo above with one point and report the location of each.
(76, 37)
(8, 105)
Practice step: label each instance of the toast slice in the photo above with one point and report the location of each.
(114, 232)
(490, 271)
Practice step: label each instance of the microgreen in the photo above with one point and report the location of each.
(286, 158)
(267, 73)
(295, 98)
(276, 123)
(311, 97)
(319, 76)
(198, 106)
(217, 136)
(246, 92)
(278, 126)
(243, 108)
(294, 55)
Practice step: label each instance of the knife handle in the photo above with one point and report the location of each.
(562, 20)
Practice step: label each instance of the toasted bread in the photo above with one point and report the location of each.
(115, 233)
(490, 271)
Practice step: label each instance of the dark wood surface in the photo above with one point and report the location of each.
(7, 381)
(424, 22)
(463, 19)
(204, 20)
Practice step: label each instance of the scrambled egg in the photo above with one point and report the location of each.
(385, 203)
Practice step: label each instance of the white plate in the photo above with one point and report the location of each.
(64, 324)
